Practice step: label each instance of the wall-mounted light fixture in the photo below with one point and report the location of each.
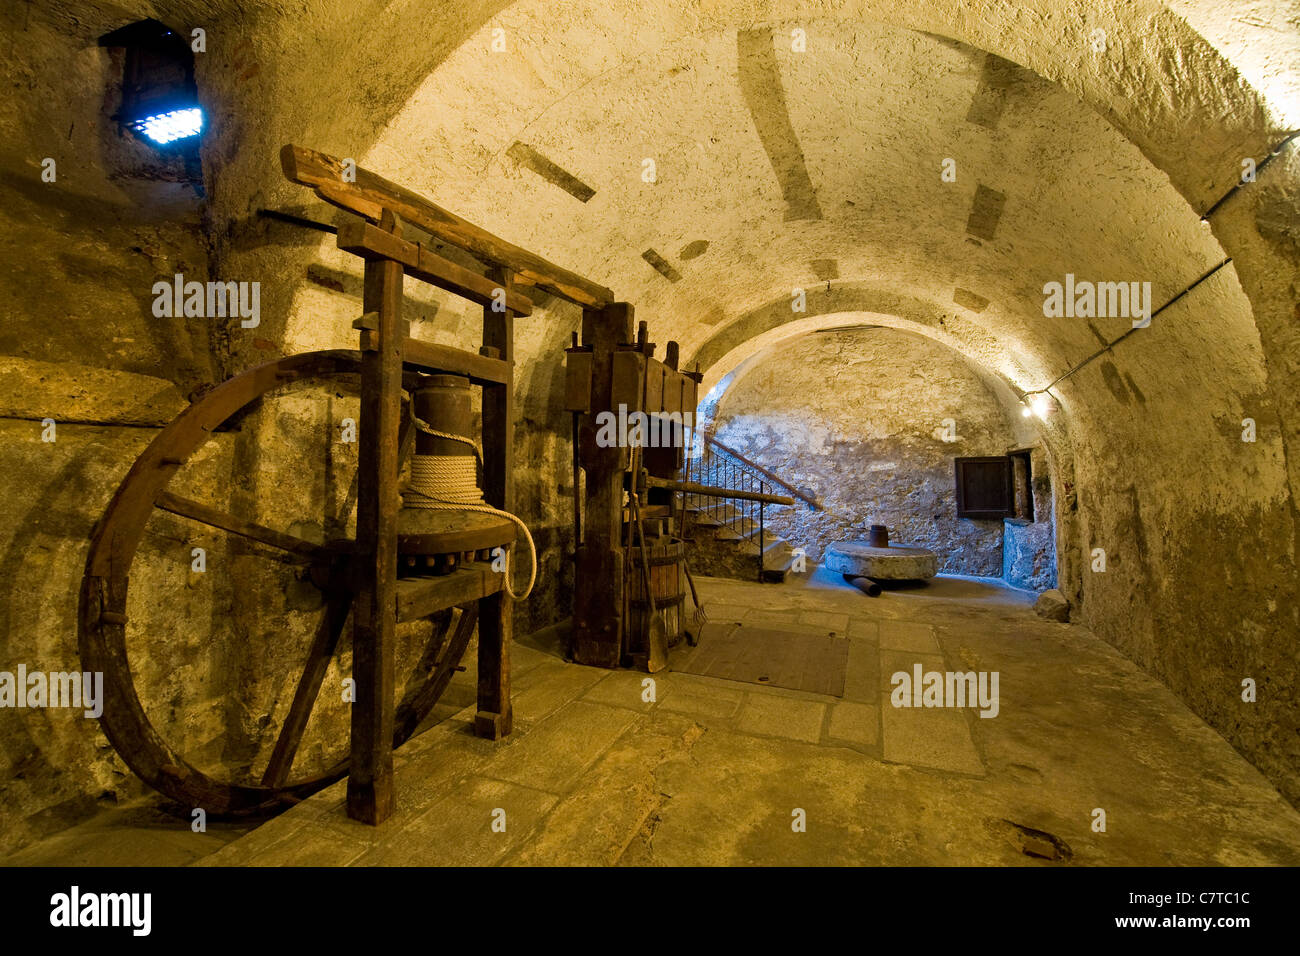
(1036, 403)
(160, 100)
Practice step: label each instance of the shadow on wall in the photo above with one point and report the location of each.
(870, 420)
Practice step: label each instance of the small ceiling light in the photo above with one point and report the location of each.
(1040, 404)
(160, 99)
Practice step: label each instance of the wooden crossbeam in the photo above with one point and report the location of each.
(371, 242)
(481, 369)
(418, 597)
(368, 194)
(713, 491)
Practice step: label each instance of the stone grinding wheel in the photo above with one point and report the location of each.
(102, 620)
(897, 562)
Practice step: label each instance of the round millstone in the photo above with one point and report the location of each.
(898, 562)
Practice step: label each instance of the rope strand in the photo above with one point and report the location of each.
(450, 483)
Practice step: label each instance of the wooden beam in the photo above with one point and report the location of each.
(369, 193)
(418, 597)
(371, 242)
(495, 715)
(481, 369)
(713, 491)
(598, 573)
(370, 797)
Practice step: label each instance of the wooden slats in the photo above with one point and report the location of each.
(370, 193)
(370, 242)
(649, 511)
(420, 596)
(599, 577)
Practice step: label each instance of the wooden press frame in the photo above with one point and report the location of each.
(388, 351)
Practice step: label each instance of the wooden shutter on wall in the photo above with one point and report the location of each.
(985, 487)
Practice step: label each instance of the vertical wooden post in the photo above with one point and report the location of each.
(496, 613)
(370, 777)
(598, 579)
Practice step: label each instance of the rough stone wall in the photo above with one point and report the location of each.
(79, 344)
(1029, 558)
(1197, 527)
(217, 660)
(1028, 555)
(857, 417)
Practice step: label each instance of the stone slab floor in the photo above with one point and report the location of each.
(712, 771)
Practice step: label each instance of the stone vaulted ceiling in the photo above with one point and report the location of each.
(778, 169)
(820, 170)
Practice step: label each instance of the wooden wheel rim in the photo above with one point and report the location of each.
(101, 628)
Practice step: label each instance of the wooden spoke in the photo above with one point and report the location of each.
(433, 651)
(408, 719)
(357, 586)
(113, 547)
(197, 511)
(318, 660)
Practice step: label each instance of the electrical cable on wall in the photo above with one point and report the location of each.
(1205, 219)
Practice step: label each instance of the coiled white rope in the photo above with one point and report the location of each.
(450, 483)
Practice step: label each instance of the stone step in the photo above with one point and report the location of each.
(777, 561)
(748, 528)
(743, 533)
(777, 554)
(721, 511)
(775, 550)
(721, 559)
(701, 520)
(727, 512)
(725, 552)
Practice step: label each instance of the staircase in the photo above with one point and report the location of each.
(725, 544)
(729, 534)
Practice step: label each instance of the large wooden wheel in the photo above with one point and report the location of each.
(102, 626)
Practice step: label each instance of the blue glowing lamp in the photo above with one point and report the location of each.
(160, 99)
(168, 127)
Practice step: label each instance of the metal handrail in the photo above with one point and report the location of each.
(810, 500)
(722, 472)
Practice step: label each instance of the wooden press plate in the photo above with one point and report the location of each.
(451, 532)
